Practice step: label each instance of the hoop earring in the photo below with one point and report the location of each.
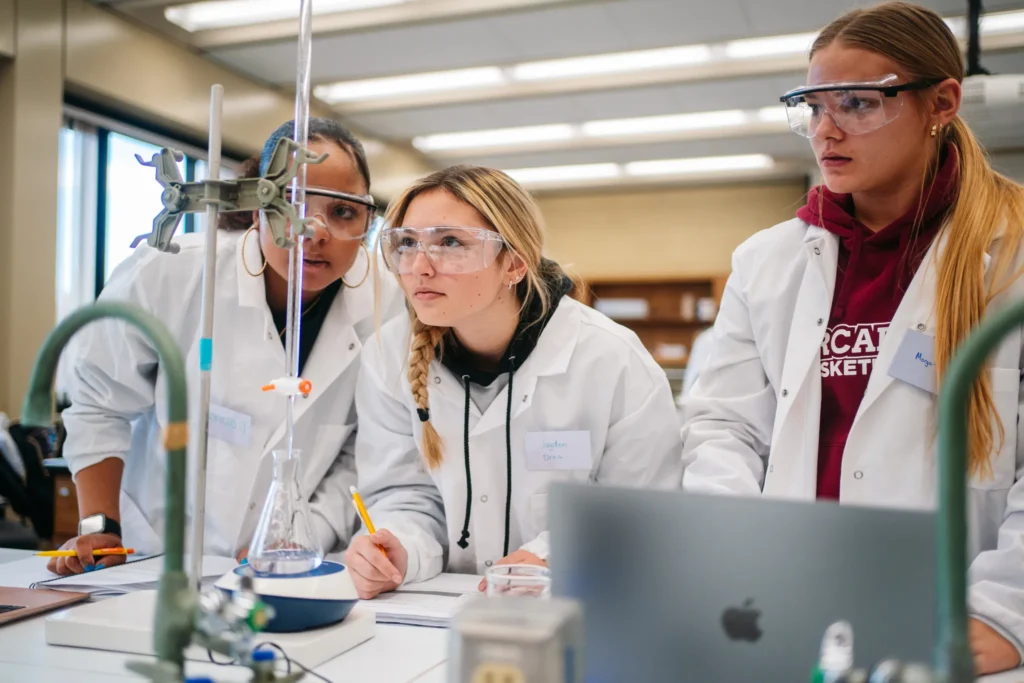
(246, 265)
(365, 275)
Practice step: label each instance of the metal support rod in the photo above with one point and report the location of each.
(298, 198)
(974, 11)
(953, 660)
(173, 626)
(206, 340)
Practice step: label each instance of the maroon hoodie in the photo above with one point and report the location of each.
(873, 272)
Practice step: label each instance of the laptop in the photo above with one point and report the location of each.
(686, 588)
(19, 603)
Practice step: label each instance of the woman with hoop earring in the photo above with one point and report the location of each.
(114, 443)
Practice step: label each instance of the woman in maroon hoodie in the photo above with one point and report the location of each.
(835, 327)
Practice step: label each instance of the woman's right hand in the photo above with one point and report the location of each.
(375, 572)
(84, 561)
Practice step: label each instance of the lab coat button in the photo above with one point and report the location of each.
(437, 380)
(921, 327)
(858, 475)
(351, 347)
(483, 499)
(252, 506)
(820, 321)
(817, 252)
(785, 393)
(488, 563)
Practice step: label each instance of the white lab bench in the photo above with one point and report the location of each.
(397, 654)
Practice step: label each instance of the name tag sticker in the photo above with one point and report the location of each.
(230, 426)
(914, 362)
(558, 451)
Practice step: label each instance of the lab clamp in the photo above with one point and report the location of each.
(952, 661)
(265, 194)
(221, 622)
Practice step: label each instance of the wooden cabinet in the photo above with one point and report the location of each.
(667, 314)
(65, 509)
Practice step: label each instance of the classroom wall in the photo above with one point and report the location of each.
(7, 28)
(675, 232)
(30, 116)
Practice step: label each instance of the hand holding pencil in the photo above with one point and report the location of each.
(85, 553)
(377, 562)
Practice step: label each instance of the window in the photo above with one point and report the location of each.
(106, 199)
(132, 197)
(76, 218)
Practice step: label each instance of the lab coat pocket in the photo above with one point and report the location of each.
(1006, 397)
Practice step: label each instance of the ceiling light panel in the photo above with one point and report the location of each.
(215, 14)
(621, 62)
(559, 174)
(741, 162)
(438, 81)
(497, 137)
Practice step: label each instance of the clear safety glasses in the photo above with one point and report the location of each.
(856, 108)
(452, 251)
(344, 216)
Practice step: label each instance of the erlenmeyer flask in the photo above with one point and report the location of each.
(284, 542)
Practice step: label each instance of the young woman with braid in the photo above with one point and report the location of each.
(497, 385)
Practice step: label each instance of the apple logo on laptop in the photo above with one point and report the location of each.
(740, 623)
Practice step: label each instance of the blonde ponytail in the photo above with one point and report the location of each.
(421, 354)
(986, 204)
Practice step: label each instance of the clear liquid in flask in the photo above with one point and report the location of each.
(284, 542)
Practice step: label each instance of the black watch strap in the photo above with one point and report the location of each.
(111, 526)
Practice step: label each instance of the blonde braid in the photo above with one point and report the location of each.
(421, 354)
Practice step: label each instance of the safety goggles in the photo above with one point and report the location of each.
(342, 215)
(856, 108)
(450, 250)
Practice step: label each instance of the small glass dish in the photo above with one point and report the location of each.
(519, 580)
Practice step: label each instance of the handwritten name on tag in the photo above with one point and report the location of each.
(558, 451)
(230, 426)
(914, 362)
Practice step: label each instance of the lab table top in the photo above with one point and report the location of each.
(396, 654)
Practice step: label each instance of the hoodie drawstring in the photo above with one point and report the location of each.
(464, 540)
(856, 247)
(508, 452)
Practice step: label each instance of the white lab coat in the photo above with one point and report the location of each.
(752, 418)
(119, 406)
(585, 373)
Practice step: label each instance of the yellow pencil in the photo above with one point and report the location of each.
(357, 500)
(96, 553)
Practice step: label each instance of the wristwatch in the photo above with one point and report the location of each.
(99, 524)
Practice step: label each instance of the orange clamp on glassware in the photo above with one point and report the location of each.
(290, 386)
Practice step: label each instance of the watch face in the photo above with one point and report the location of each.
(93, 524)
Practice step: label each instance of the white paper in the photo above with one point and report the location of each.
(416, 609)
(132, 576)
(449, 584)
(558, 451)
(23, 573)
